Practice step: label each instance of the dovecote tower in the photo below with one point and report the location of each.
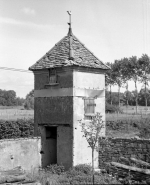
(69, 85)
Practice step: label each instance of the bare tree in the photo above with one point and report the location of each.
(92, 132)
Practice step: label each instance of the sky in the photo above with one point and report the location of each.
(111, 29)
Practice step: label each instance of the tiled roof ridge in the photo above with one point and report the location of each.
(49, 51)
(90, 51)
(68, 59)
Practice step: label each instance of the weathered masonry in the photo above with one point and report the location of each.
(123, 147)
(69, 86)
(24, 152)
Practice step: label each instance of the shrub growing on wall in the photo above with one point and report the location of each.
(16, 129)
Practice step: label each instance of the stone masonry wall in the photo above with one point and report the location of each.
(120, 147)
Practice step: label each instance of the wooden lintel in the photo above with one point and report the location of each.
(53, 125)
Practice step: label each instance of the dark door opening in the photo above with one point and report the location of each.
(49, 146)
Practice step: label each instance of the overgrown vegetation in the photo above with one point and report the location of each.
(16, 129)
(141, 126)
(25, 127)
(80, 174)
(55, 169)
(112, 108)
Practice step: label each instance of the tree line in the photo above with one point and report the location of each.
(121, 72)
(129, 69)
(9, 98)
(131, 98)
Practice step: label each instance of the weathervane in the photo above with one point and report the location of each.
(69, 12)
(70, 38)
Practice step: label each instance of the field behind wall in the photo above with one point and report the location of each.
(126, 124)
(14, 113)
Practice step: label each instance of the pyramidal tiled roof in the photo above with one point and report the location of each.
(69, 51)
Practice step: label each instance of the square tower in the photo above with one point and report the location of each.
(69, 86)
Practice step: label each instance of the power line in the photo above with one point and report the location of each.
(19, 70)
(14, 69)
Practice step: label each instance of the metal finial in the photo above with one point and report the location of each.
(69, 12)
(71, 57)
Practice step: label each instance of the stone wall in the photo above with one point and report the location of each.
(24, 152)
(120, 147)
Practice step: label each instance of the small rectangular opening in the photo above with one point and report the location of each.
(51, 132)
(52, 76)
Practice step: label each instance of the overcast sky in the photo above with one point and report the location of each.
(111, 29)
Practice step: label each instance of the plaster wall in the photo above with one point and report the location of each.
(81, 151)
(64, 146)
(20, 152)
(88, 80)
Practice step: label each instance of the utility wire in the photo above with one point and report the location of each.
(14, 69)
(19, 70)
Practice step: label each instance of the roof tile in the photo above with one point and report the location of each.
(58, 56)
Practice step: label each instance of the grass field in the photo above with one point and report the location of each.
(132, 110)
(123, 120)
(114, 117)
(14, 114)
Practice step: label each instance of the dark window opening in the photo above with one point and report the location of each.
(51, 132)
(52, 76)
